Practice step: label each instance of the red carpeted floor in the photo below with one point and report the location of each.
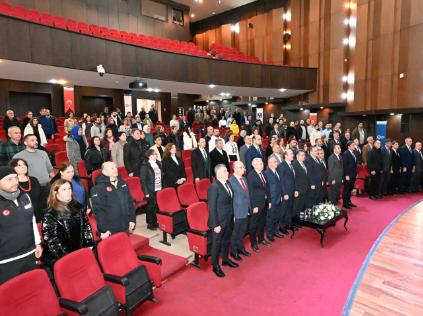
(293, 277)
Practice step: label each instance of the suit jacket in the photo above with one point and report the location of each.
(200, 168)
(217, 158)
(275, 132)
(275, 187)
(407, 158)
(324, 168)
(332, 144)
(365, 152)
(315, 172)
(386, 159)
(302, 182)
(349, 164)
(418, 161)
(291, 131)
(300, 131)
(358, 155)
(374, 160)
(220, 205)
(287, 179)
(241, 199)
(259, 193)
(242, 150)
(252, 153)
(336, 169)
(172, 171)
(395, 161)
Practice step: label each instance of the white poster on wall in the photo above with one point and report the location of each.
(259, 114)
(127, 100)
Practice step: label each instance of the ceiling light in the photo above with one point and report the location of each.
(364, 115)
(192, 15)
(402, 75)
(267, 103)
(321, 108)
(282, 90)
(344, 95)
(55, 81)
(212, 86)
(213, 13)
(345, 59)
(392, 114)
(301, 109)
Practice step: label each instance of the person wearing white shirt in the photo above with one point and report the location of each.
(174, 122)
(212, 142)
(222, 123)
(190, 142)
(315, 135)
(231, 149)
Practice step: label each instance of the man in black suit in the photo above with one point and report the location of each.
(416, 179)
(221, 219)
(258, 187)
(218, 155)
(336, 172)
(349, 161)
(315, 176)
(134, 152)
(357, 152)
(407, 164)
(200, 161)
(375, 167)
(254, 151)
(287, 174)
(302, 183)
(395, 168)
(323, 195)
(386, 167)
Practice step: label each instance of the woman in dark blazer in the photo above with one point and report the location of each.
(173, 167)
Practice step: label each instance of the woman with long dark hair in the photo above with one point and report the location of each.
(67, 172)
(95, 155)
(108, 139)
(65, 225)
(33, 127)
(173, 167)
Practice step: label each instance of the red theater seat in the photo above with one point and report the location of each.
(190, 176)
(123, 172)
(104, 32)
(72, 25)
(95, 30)
(82, 287)
(5, 8)
(135, 189)
(170, 216)
(115, 35)
(130, 276)
(198, 231)
(94, 175)
(33, 15)
(60, 157)
(18, 12)
(51, 148)
(202, 188)
(60, 23)
(84, 28)
(30, 293)
(187, 194)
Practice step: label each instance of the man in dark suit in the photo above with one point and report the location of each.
(349, 161)
(357, 152)
(386, 167)
(275, 187)
(254, 151)
(336, 172)
(315, 176)
(200, 161)
(323, 194)
(302, 131)
(275, 131)
(218, 155)
(258, 186)
(241, 204)
(302, 183)
(335, 141)
(395, 168)
(287, 175)
(375, 167)
(416, 178)
(221, 219)
(407, 164)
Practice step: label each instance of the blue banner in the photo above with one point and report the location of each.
(381, 131)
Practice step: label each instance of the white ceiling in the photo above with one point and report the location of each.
(14, 70)
(207, 7)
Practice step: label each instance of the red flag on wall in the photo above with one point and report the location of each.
(69, 99)
(313, 117)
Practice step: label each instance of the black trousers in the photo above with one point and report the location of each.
(151, 210)
(287, 211)
(221, 242)
(323, 193)
(299, 204)
(14, 268)
(394, 182)
(256, 226)
(313, 197)
(384, 183)
(405, 181)
(239, 230)
(416, 180)
(273, 216)
(348, 187)
(334, 191)
(374, 184)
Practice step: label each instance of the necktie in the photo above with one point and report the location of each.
(259, 151)
(243, 185)
(204, 154)
(304, 167)
(228, 189)
(292, 169)
(276, 174)
(263, 181)
(355, 158)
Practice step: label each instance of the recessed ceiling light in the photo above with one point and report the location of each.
(212, 86)
(392, 114)
(282, 90)
(321, 108)
(192, 15)
(267, 103)
(301, 109)
(402, 75)
(213, 13)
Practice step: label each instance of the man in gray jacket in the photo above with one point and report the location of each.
(336, 172)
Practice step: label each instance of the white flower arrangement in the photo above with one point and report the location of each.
(323, 212)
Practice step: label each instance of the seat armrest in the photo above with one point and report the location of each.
(197, 232)
(169, 213)
(116, 279)
(151, 259)
(76, 307)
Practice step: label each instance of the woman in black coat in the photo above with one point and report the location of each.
(152, 181)
(65, 226)
(173, 167)
(95, 155)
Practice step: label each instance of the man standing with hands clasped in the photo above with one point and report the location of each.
(336, 172)
(221, 219)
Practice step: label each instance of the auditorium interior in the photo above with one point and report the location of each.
(347, 61)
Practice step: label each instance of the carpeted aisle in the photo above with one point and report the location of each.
(293, 277)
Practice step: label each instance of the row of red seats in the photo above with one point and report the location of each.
(233, 54)
(102, 31)
(84, 288)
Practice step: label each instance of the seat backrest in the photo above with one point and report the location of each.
(202, 188)
(187, 194)
(186, 154)
(30, 293)
(94, 175)
(60, 157)
(123, 172)
(82, 168)
(116, 255)
(167, 200)
(93, 224)
(197, 215)
(190, 176)
(135, 189)
(52, 148)
(78, 275)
